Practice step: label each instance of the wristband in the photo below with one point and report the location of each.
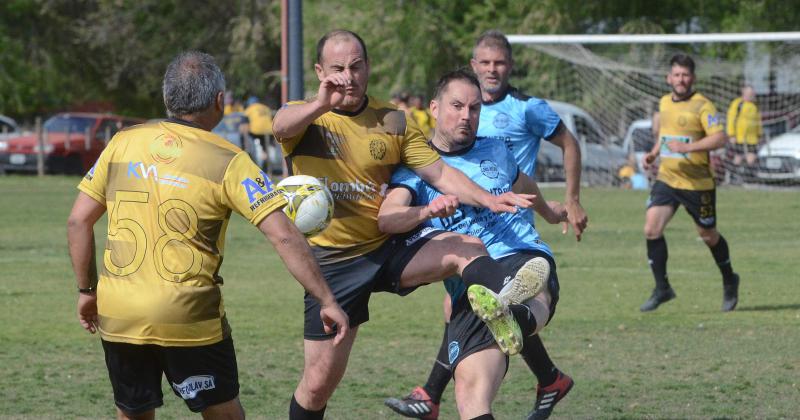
(90, 289)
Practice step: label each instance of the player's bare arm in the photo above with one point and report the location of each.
(452, 181)
(293, 249)
(293, 119)
(707, 143)
(576, 215)
(397, 216)
(551, 211)
(80, 235)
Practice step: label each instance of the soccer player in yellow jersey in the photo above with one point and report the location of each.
(169, 188)
(354, 142)
(744, 129)
(689, 127)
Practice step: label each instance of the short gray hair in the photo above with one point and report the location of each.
(493, 39)
(191, 83)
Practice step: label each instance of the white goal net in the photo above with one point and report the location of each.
(608, 89)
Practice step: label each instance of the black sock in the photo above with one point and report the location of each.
(487, 416)
(657, 256)
(723, 258)
(484, 271)
(525, 319)
(538, 361)
(440, 373)
(297, 412)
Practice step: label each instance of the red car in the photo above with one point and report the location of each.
(72, 143)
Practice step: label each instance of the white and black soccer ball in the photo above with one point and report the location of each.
(309, 203)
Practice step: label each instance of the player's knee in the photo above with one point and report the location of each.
(315, 392)
(709, 236)
(652, 232)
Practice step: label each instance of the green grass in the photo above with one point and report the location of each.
(687, 359)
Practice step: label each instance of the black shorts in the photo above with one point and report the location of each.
(352, 281)
(467, 334)
(701, 205)
(743, 148)
(202, 376)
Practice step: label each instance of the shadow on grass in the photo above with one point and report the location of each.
(767, 307)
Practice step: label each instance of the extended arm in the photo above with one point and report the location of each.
(396, 215)
(293, 249)
(451, 181)
(553, 212)
(650, 157)
(707, 143)
(572, 166)
(80, 235)
(293, 119)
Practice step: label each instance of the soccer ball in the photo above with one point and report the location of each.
(309, 203)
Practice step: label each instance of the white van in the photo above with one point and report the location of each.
(602, 155)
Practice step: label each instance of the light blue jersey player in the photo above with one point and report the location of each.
(491, 166)
(520, 122)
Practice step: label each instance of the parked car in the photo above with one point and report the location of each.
(779, 159)
(72, 143)
(8, 128)
(602, 154)
(639, 141)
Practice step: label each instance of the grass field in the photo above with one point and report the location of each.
(686, 360)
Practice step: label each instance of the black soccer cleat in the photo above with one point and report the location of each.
(658, 297)
(417, 405)
(547, 397)
(730, 294)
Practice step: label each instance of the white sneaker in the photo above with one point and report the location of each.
(528, 282)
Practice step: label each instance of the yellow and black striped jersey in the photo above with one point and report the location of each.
(355, 155)
(686, 121)
(169, 188)
(744, 122)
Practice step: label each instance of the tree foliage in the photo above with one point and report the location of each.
(58, 54)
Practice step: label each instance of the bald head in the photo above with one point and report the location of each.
(339, 35)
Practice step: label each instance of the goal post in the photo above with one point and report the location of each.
(619, 78)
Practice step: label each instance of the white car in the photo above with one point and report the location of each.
(639, 141)
(601, 154)
(779, 159)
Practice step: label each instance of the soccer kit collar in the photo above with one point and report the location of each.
(353, 113)
(508, 90)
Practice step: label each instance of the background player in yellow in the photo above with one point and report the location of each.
(169, 188)
(689, 127)
(232, 104)
(354, 142)
(744, 130)
(421, 115)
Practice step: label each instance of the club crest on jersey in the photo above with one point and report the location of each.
(166, 148)
(453, 350)
(500, 120)
(257, 187)
(682, 121)
(489, 169)
(377, 148)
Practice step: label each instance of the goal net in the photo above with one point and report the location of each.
(607, 89)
